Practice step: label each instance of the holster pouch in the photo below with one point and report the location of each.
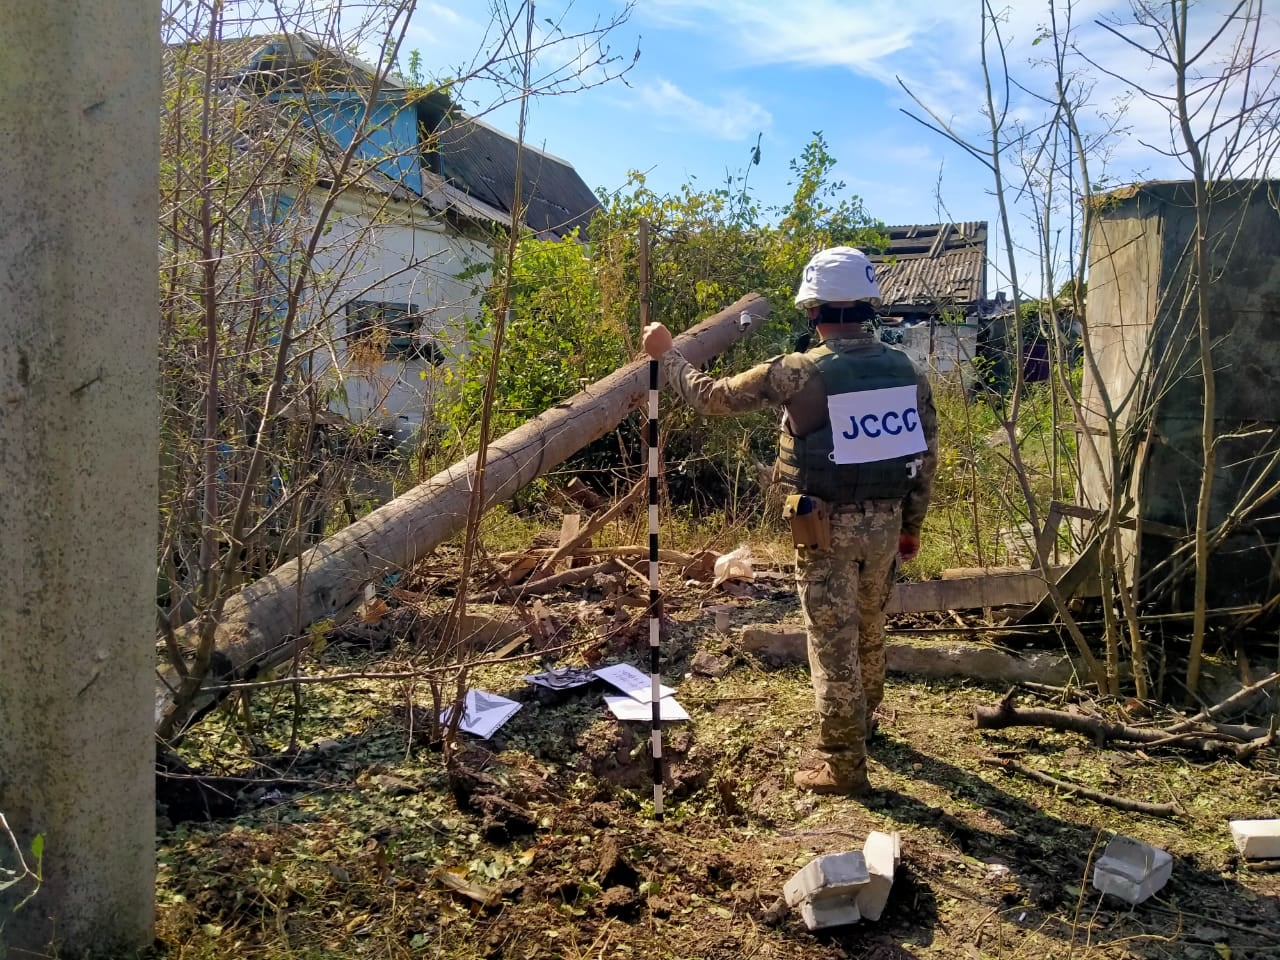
(810, 520)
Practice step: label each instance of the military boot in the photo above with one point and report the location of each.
(824, 778)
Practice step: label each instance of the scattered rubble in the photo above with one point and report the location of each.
(839, 889)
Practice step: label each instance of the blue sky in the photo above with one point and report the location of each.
(713, 75)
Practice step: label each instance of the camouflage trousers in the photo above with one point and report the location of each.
(843, 593)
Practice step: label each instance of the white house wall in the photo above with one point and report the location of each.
(954, 346)
(396, 254)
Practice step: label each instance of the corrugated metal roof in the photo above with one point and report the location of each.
(933, 265)
(481, 161)
(470, 168)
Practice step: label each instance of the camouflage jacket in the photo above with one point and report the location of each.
(776, 381)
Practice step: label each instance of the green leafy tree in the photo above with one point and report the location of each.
(575, 308)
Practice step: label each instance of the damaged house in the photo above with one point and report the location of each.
(405, 253)
(933, 282)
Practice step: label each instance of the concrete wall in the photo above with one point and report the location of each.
(79, 427)
(1142, 327)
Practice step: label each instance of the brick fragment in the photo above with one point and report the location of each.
(881, 851)
(1257, 839)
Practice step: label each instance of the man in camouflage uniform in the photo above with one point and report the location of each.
(876, 507)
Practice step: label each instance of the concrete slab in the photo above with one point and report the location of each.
(882, 852)
(834, 876)
(783, 643)
(1257, 839)
(1131, 870)
(821, 914)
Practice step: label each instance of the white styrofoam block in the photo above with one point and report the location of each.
(882, 851)
(1132, 870)
(833, 875)
(820, 914)
(1257, 839)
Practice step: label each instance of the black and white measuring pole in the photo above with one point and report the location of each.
(655, 598)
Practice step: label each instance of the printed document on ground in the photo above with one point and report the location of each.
(631, 681)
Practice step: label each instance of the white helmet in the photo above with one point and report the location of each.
(836, 275)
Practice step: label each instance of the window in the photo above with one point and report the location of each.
(393, 327)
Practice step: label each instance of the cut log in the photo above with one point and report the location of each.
(258, 622)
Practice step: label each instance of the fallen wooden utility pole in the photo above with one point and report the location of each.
(258, 623)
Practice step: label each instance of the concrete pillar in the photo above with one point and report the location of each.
(79, 120)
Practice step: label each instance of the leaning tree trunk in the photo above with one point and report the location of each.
(258, 624)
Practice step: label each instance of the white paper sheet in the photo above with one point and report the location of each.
(564, 678)
(626, 708)
(631, 681)
(483, 713)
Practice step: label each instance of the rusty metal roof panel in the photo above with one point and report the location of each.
(933, 264)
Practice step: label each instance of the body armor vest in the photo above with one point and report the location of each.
(805, 451)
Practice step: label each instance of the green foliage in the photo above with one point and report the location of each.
(978, 515)
(555, 343)
(31, 873)
(575, 309)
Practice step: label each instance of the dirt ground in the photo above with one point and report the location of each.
(542, 843)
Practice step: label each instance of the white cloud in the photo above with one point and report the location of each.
(863, 36)
(934, 46)
(733, 117)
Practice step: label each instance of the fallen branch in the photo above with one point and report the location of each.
(1005, 714)
(593, 526)
(552, 583)
(630, 550)
(1247, 750)
(1217, 708)
(1120, 803)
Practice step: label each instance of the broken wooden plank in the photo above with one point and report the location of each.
(1010, 589)
(1082, 577)
(628, 550)
(1049, 534)
(1077, 512)
(963, 573)
(570, 525)
(552, 583)
(596, 523)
